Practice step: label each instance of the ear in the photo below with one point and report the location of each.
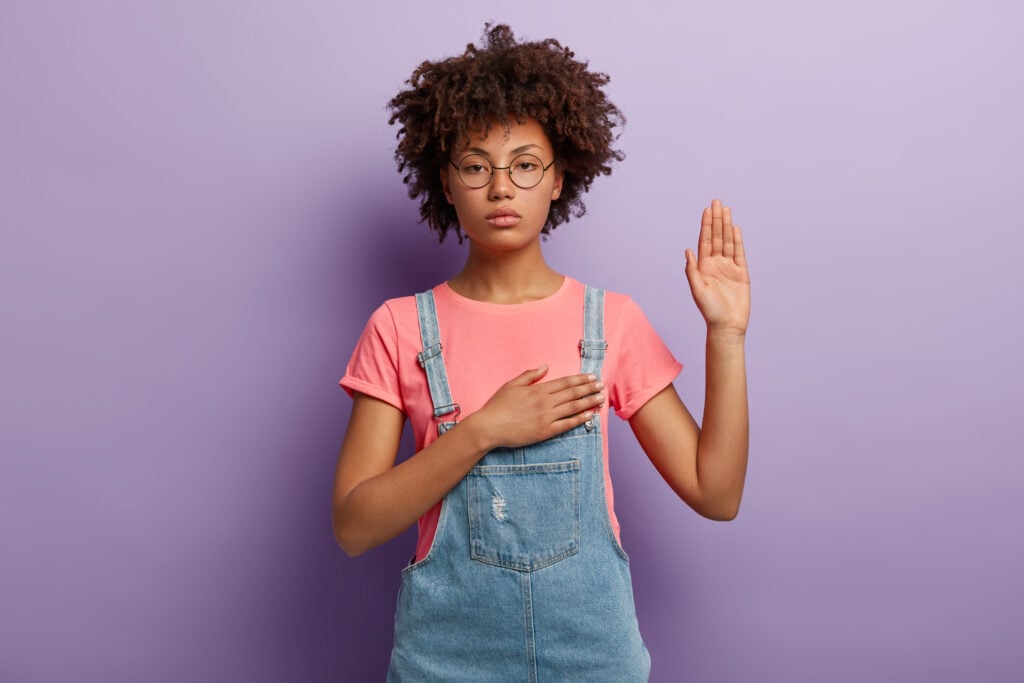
(445, 186)
(556, 189)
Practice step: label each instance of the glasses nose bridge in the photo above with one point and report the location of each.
(494, 179)
(507, 169)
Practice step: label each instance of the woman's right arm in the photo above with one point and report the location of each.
(374, 500)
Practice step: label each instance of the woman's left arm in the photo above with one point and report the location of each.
(706, 467)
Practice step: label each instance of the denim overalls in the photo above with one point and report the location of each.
(525, 580)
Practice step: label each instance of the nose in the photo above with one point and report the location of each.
(502, 186)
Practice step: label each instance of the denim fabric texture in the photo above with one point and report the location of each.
(525, 580)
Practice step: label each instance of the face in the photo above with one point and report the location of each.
(501, 216)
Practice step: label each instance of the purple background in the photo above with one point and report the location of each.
(200, 210)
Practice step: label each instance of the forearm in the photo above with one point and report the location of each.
(382, 507)
(725, 434)
(374, 500)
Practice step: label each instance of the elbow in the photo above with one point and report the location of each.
(346, 534)
(721, 513)
(351, 546)
(723, 516)
(350, 542)
(720, 504)
(352, 550)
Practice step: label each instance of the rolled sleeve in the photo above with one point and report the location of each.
(373, 367)
(643, 365)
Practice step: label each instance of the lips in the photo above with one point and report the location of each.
(503, 218)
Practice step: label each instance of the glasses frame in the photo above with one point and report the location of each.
(511, 176)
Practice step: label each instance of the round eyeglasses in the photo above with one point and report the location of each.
(525, 171)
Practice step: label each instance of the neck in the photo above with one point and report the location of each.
(507, 278)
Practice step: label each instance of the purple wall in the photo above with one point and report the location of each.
(200, 209)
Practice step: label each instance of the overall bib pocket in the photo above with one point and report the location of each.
(524, 517)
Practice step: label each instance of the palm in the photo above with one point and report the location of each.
(718, 275)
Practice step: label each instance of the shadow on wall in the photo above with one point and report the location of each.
(388, 252)
(378, 250)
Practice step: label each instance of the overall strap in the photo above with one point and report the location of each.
(593, 344)
(430, 357)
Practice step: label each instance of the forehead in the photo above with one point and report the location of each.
(496, 139)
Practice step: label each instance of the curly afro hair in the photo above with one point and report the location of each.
(502, 82)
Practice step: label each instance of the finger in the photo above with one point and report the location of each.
(530, 376)
(577, 391)
(553, 386)
(704, 241)
(577, 406)
(716, 228)
(727, 237)
(571, 421)
(567, 423)
(740, 257)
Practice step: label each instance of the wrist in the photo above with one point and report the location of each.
(477, 435)
(726, 336)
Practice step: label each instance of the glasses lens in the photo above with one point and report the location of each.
(475, 171)
(526, 170)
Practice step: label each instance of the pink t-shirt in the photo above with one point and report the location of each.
(485, 345)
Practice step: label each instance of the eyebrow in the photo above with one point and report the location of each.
(482, 152)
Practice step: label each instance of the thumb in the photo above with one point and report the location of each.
(692, 274)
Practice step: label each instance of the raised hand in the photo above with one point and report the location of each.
(718, 276)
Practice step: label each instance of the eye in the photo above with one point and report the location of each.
(474, 166)
(526, 165)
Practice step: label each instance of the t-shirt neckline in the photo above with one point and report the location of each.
(447, 292)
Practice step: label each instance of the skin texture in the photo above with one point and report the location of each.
(504, 81)
(504, 264)
(374, 500)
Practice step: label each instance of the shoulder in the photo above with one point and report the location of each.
(626, 326)
(619, 303)
(398, 308)
(638, 363)
(619, 309)
(391, 330)
(397, 315)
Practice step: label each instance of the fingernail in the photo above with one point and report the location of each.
(591, 377)
(599, 397)
(600, 385)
